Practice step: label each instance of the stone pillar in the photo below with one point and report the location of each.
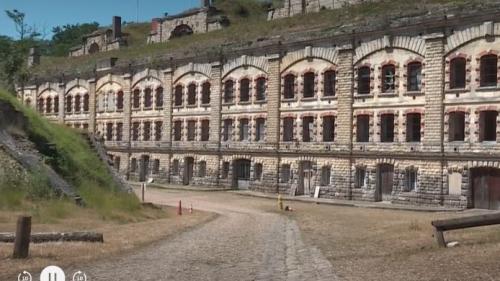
(167, 105)
(92, 105)
(127, 107)
(215, 104)
(273, 101)
(434, 92)
(345, 93)
(61, 95)
(344, 121)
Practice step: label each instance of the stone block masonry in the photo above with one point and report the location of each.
(404, 115)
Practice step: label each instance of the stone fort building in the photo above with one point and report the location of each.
(292, 8)
(407, 114)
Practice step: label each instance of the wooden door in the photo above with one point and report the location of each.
(385, 182)
(188, 170)
(486, 188)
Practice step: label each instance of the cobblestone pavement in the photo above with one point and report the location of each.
(243, 243)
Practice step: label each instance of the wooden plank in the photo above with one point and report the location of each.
(56, 237)
(440, 238)
(22, 238)
(467, 222)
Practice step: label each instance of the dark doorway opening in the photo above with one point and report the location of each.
(385, 182)
(485, 186)
(241, 174)
(306, 178)
(188, 170)
(181, 30)
(144, 168)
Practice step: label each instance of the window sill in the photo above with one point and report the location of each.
(191, 106)
(245, 103)
(487, 88)
(388, 95)
(260, 101)
(228, 103)
(205, 105)
(289, 100)
(363, 96)
(308, 99)
(414, 93)
(329, 98)
(178, 106)
(488, 142)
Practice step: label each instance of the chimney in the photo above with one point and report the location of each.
(205, 3)
(117, 27)
(34, 57)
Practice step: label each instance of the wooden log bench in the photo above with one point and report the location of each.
(92, 237)
(440, 226)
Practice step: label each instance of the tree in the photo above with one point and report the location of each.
(22, 28)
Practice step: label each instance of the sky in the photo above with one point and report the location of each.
(45, 14)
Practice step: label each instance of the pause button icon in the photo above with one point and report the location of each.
(52, 273)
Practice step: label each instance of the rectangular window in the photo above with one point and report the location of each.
(285, 173)
(261, 89)
(244, 130)
(133, 165)
(456, 122)
(388, 78)
(202, 169)
(329, 83)
(364, 80)
(489, 71)
(328, 129)
(411, 180)
(308, 129)
(363, 128)
(488, 126)
(457, 73)
(325, 175)
(288, 132)
(309, 85)
(413, 127)
(289, 86)
(205, 94)
(414, 83)
(387, 128)
(178, 95)
(228, 91)
(136, 100)
(177, 130)
(191, 98)
(191, 130)
(245, 90)
(205, 130)
(260, 129)
(360, 177)
(225, 170)
(109, 131)
(158, 130)
(227, 134)
(119, 131)
(147, 131)
(135, 131)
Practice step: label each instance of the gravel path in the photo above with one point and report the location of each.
(243, 243)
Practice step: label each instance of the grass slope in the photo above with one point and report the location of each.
(73, 159)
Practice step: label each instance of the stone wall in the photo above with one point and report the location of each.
(431, 170)
(297, 7)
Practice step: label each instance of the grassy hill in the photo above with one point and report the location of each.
(72, 158)
(249, 24)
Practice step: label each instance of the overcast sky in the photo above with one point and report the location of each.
(45, 14)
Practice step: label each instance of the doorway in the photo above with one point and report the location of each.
(485, 184)
(306, 178)
(188, 170)
(241, 174)
(385, 182)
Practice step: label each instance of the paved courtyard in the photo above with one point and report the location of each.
(247, 241)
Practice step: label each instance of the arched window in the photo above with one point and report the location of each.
(364, 80)
(289, 84)
(228, 91)
(148, 98)
(457, 73)
(191, 98)
(78, 105)
(159, 98)
(245, 90)
(69, 103)
(489, 71)
(48, 105)
(329, 83)
(261, 89)
(414, 83)
(136, 99)
(86, 103)
(205, 93)
(178, 95)
(309, 78)
(146, 131)
(41, 103)
(388, 78)
(119, 100)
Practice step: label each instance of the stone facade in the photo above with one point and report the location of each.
(101, 40)
(298, 7)
(197, 20)
(406, 116)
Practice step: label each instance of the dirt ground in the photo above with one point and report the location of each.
(119, 238)
(372, 244)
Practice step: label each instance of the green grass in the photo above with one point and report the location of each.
(74, 160)
(248, 23)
